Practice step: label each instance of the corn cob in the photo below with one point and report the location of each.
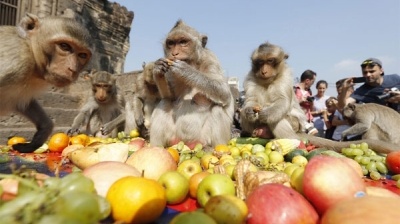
(284, 145)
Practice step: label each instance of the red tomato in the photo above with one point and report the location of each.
(393, 162)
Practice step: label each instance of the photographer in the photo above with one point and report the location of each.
(376, 89)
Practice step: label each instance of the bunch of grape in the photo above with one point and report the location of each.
(71, 199)
(372, 164)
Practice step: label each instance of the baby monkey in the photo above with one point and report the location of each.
(104, 112)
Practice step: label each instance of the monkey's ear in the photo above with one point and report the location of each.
(28, 24)
(286, 56)
(143, 65)
(352, 106)
(204, 40)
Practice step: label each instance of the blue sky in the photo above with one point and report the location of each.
(330, 37)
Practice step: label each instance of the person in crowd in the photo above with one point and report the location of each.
(338, 120)
(377, 88)
(304, 96)
(320, 107)
(328, 114)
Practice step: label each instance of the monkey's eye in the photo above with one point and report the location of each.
(258, 63)
(170, 43)
(271, 61)
(83, 55)
(65, 47)
(183, 42)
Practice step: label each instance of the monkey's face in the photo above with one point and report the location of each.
(264, 68)
(179, 47)
(102, 92)
(66, 60)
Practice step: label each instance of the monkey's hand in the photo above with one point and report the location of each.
(161, 66)
(72, 131)
(250, 114)
(140, 121)
(106, 129)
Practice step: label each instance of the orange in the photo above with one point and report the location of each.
(58, 142)
(15, 140)
(194, 182)
(174, 153)
(76, 140)
(84, 137)
(136, 200)
(221, 148)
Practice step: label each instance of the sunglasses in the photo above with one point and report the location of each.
(369, 63)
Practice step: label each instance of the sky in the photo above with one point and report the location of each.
(331, 38)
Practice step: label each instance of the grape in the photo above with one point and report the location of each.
(371, 166)
(398, 183)
(364, 170)
(375, 175)
(353, 146)
(358, 158)
(52, 183)
(364, 146)
(347, 151)
(77, 182)
(79, 205)
(357, 152)
(57, 218)
(365, 160)
(377, 158)
(105, 207)
(381, 167)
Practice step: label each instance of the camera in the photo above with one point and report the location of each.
(310, 98)
(359, 79)
(387, 95)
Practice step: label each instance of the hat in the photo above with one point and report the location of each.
(371, 61)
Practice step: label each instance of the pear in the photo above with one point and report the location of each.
(226, 209)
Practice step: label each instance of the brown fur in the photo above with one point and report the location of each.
(104, 112)
(196, 104)
(34, 55)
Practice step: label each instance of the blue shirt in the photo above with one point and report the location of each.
(368, 94)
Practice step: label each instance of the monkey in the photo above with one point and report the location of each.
(196, 103)
(104, 111)
(268, 106)
(372, 121)
(145, 99)
(36, 54)
(270, 109)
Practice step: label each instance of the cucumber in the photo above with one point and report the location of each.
(253, 141)
(315, 152)
(296, 152)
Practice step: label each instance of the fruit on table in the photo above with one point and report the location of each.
(15, 140)
(136, 200)
(194, 182)
(367, 209)
(105, 173)
(189, 167)
(328, 180)
(393, 162)
(194, 217)
(176, 186)
(212, 185)
(226, 209)
(90, 155)
(152, 161)
(58, 142)
(276, 203)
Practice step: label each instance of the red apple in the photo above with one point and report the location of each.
(393, 162)
(136, 144)
(277, 203)
(328, 180)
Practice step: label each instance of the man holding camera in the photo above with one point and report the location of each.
(377, 88)
(304, 96)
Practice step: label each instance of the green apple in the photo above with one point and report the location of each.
(194, 217)
(189, 167)
(227, 209)
(176, 186)
(229, 168)
(296, 179)
(275, 157)
(212, 185)
(235, 151)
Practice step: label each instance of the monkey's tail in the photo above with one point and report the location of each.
(376, 145)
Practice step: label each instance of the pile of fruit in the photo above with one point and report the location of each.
(248, 180)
